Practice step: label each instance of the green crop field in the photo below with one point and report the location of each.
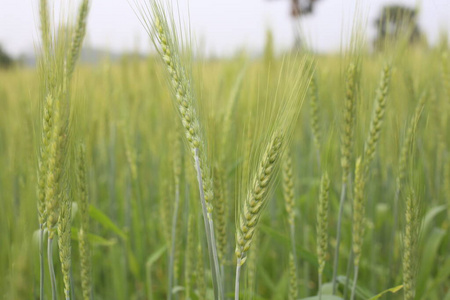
(176, 177)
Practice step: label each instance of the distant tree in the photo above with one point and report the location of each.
(395, 22)
(300, 8)
(5, 60)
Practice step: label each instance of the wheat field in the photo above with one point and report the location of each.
(173, 176)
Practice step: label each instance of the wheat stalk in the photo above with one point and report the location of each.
(85, 260)
(322, 227)
(53, 184)
(256, 199)
(64, 240)
(410, 246)
(177, 174)
(190, 256)
(346, 154)
(358, 220)
(165, 39)
(405, 151)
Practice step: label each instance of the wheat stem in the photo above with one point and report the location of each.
(410, 241)
(358, 220)
(346, 154)
(41, 262)
(320, 286)
(64, 240)
(174, 232)
(322, 226)
(181, 85)
(209, 236)
(238, 275)
(83, 242)
(354, 282)
(338, 236)
(51, 268)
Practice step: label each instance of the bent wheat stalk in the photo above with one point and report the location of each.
(164, 38)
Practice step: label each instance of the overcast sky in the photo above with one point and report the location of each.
(221, 26)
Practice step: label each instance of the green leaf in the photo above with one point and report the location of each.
(360, 291)
(391, 290)
(429, 254)
(155, 256)
(305, 254)
(327, 288)
(150, 261)
(324, 297)
(430, 217)
(133, 263)
(442, 276)
(103, 219)
(267, 280)
(94, 239)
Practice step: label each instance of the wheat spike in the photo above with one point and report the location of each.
(377, 118)
(257, 196)
(64, 240)
(410, 242)
(85, 260)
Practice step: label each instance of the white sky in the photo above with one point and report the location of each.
(221, 26)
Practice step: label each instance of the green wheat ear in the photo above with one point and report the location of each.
(377, 118)
(184, 95)
(293, 287)
(77, 41)
(347, 136)
(288, 187)
(64, 240)
(314, 116)
(257, 196)
(43, 161)
(410, 246)
(52, 191)
(349, 121)
(322, 222)
(85, 260)
(322, 227)
(358, 220)
(220, 209)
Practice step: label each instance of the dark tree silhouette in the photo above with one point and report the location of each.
(300, 8)
(5, 60)
(394, 22)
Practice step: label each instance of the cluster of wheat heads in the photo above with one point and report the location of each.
(163, 31)
(60, 51)
(143, 236)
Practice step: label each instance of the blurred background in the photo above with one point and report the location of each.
(223, 28)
